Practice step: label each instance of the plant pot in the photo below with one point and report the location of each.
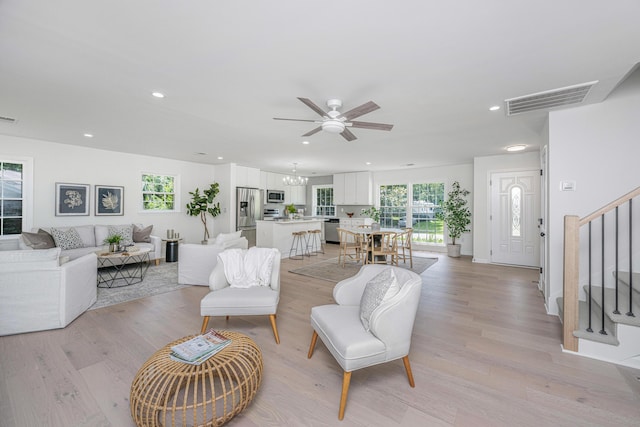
(113, 247)
(375, 226)
(453, 250)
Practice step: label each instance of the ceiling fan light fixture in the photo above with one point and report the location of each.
(333, 126)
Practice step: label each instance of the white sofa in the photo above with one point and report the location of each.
(197, 261)
(36, 293)
(93, 237)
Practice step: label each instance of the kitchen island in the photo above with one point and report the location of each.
(277, 234)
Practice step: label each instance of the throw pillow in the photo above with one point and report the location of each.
(67, 239)
(125, 231)
(142, 235)
(39, 240)
(377, 291)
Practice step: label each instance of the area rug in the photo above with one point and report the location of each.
(331, 271)
(158, 280)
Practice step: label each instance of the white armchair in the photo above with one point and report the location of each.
(371, 322)
(225, 300)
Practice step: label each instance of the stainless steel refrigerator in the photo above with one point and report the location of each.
(248, 211)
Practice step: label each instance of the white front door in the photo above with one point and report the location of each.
(515, 209)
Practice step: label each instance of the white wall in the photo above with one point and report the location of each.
(54, 162)
(483, 167)
(446, 174)
(598, 147)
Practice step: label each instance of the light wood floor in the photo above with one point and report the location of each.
(484, 353)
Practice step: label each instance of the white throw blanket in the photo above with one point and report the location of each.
(247, 268)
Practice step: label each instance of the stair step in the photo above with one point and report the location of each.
(623, 276)
(623, 303)
(583, 323)
(596, 323)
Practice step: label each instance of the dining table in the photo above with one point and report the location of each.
(366, 231)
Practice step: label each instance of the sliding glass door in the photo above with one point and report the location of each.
(414, 205)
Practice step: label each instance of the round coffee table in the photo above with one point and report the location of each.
(169, 393)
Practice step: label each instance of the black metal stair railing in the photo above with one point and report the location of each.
(590, 261)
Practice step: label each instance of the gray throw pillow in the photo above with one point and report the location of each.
(67, 239)
(125, 231)
(39, 240)
(377, 291)
(142, 235)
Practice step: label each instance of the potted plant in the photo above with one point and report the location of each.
(202, 204)
(113, 241)
(291, 210)
(374, 214)
(456, 216)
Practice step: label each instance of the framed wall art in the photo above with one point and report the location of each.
(109, 200)
(72, 199)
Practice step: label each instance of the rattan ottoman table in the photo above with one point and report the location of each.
(169, 393)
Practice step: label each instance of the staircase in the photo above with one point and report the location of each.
(600, 307)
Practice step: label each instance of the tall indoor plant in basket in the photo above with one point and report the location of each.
(202, 204)
(456, 216)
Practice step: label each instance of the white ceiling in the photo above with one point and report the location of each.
(68, 67)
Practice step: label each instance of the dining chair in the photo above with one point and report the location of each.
(350, 246)
(404, 246)
(380, 246)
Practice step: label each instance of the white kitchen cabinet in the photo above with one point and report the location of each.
(296, 195)
(247, 177)
(353, 188)
(263, 181)
(274, 181)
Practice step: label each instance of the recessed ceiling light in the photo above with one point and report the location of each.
(517, 147)
(305, 142)
(367, 163)
(220, 157)
(201, 154)
(158, 94)
(88, 135)
(494, 108)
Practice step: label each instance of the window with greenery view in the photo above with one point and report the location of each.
(414, 205)
(323, 200)
(11, 198)
(159, 192)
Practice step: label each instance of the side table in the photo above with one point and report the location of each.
(171, 250)
(169, 393)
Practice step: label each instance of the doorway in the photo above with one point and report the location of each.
(515, 209)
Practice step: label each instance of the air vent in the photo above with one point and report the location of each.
(7, 119)
(549, 99)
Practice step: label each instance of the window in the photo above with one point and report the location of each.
(159, 193)
(323, 200)
(12, 210)
(415, 206)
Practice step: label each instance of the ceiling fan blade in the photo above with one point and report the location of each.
(369, 125)
(295, 120)
(309, 103)
(313, 131)
(365, 108)
(348, 135)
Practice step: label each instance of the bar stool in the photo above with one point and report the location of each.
(314, 243)
(298, 245)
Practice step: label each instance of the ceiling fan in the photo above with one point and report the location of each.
(334, 121)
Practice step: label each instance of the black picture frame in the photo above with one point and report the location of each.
(72, 199)
(109, 200)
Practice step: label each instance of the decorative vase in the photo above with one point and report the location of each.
(453, 250)
(375, 226)
(113, 247)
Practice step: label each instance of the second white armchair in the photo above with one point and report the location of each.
(224, 299)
